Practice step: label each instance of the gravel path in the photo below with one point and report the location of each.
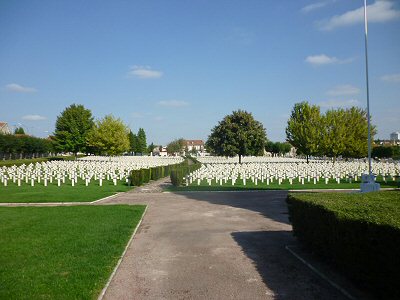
(213, 245)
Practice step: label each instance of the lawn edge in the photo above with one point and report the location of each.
(59, 203)
(104, 290)
(277, 190)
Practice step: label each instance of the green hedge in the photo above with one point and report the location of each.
(358, 233)
(180, 171)
(142, 176)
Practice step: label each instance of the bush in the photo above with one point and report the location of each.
(358, 233)
(183, 169)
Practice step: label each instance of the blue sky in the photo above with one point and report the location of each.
(176, 68)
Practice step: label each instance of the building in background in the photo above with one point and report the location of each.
(395, 136)
(4, 129)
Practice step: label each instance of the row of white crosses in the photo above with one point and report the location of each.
(266, 170)
(88, 169)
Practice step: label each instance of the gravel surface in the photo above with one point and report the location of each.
(213, 245)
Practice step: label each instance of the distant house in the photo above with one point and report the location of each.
(395, 136)
(4, 129)
(194, 145)
(160, 151)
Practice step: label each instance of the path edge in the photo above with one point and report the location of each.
(104, 290)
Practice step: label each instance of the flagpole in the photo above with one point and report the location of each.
(367, 81)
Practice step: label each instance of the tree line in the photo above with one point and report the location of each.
(19, 146)
(77, 131)
(338, 132)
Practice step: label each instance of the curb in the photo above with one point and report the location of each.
(104, 290)
(320, 274)
(108, 197)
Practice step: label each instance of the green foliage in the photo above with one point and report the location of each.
(142, 142)
(334, 133)
(340, 132)
(385, 151)
(109, 136)
(357, 133)
(19, 130)
(237, 134)
(176, 146)
(72, 127)
(277, 148)
(24, 145)
(303, 128)
(62, 252)
(142, 176)
(180, 171)
(359, 233)
(150, 148)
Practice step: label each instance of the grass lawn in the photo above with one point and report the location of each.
(275, 186)
(62, 252)
(63, 193)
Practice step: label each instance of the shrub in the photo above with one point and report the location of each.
(183, 169)
(358, 233)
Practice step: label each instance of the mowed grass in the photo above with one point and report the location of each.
(64, 193)
(62, 252)
(285, 185)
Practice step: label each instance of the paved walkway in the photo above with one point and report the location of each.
(213, 245)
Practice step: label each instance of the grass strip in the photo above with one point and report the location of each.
(285, 185)
(64, 193)
(62, 252)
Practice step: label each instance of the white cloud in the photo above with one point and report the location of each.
(343, 90)
(173, 103)
(314, 6)
(339, 103)
(378, 12)
(391, 78)
(144, 72)
(14, 87)
(323, 59)
(33, 118)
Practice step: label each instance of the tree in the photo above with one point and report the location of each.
(176, 146)
(150, 148)
(334, 132)
(19, 130)
(303, 128)
(142, 143)
(237, 134)
(284, 148)
(109, 135)
(277, 148)
(357, 132)
(72, 127)
(132, 139)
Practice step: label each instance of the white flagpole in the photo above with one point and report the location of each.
(367, 81)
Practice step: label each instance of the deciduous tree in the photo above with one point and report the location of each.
(303, 129)
(237, 134)
(72, 127)
(110, 136)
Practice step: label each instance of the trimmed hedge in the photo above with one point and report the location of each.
(358, 233)
(180, 171)
(142, 176)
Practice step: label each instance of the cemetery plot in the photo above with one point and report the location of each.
(85, 179)
(286, 173)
